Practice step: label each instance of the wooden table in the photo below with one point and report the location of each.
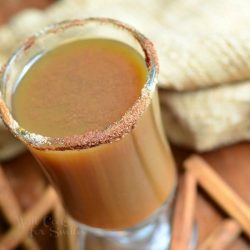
(232, 163)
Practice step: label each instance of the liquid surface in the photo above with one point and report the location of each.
(80, 86)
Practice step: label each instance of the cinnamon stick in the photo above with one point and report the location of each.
(11, 209)
(184, 213)
(221, 192)
(72, 234)
(222, 237)
(64, 225)
(59, 217)
(28, 221)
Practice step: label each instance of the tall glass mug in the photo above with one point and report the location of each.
(117, 183)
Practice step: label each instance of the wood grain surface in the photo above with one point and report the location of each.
(232, 163)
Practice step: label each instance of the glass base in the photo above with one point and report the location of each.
(151, 237)
(154, 236)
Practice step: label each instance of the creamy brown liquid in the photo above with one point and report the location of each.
(88, 85)
(80, 86)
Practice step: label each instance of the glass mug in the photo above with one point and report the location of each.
(117, 183)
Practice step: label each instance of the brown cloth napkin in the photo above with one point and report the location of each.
(204, 52)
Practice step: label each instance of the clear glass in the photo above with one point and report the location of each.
(117, 183)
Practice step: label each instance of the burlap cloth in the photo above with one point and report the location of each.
(204, 52)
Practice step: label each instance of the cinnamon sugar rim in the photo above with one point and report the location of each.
(114, 131)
